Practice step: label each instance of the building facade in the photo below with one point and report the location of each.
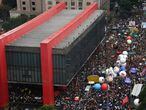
(39, 6)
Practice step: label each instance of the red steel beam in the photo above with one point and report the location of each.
(4, 97)
(28, 26)
(47, 55)
(15, 34)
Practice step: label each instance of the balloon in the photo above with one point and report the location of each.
(111, 71)
(122, 60)
(101, 79)
(104, 87)
(103, 71)
(120, 56)
(107, 71)
(127, 80)
(129, 41)
(109, 78)
(125, 53)
(125, 56)
(116, 69)
(118, 63)
(97, 86)
(124, 65)
(122, 68)
(123, 74)
(129, 38)
(76, 98)
(136, 102)
(115, 75)
(133, 70)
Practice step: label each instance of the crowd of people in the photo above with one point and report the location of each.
(118, 95)
(24, 95)
(121, 35)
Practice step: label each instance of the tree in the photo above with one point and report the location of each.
(14, 22)
(48, 107)
(10, 3)
(4, 12)
(142, 99)
(126, 6)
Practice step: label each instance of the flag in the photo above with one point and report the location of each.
(125, 100)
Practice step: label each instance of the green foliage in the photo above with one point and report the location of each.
(4, 12)
(142, 98)
(10, 3)
(127, 6)
(47, 107)
(14, 22)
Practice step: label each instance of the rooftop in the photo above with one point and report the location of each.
(34, 37)
(31, 40)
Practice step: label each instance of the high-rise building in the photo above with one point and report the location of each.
(39, 6)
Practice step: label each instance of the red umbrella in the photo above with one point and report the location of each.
(76, 98)
(104, 87)
(67, 98)
(125, 100)
(129, 38)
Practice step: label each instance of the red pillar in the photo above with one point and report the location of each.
(47, 74)
(15, 34)
(3, 77)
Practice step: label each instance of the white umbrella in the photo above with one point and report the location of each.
(136, 102)
(101, 79)
(125, 53)
(116, 69)
(123, 74)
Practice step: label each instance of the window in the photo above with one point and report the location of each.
(80, 4)
(72, 3)
(23, 3)
(73, 8)
(24, 8)
(80, 8)
(66, 3)
(49, 7)
(33, 3)
(49, 2)
(33, 8)
(57, 2)
(88, 3)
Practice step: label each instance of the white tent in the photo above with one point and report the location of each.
(136, 89)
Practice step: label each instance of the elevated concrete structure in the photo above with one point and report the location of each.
(54, 32)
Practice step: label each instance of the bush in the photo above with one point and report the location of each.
(47, 107)
(14, 22)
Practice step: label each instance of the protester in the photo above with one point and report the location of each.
(103, 60)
